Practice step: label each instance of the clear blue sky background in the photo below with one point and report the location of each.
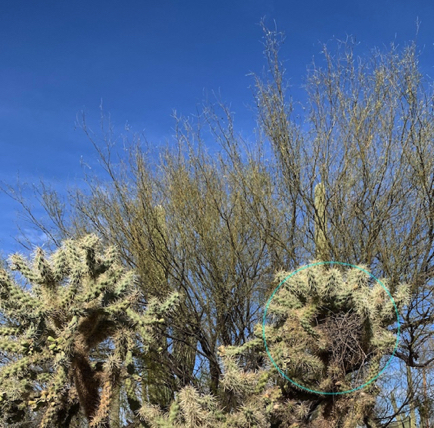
(146, 58)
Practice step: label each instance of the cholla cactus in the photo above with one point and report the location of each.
(79, 298)
(256, 402)
(189, 410)
(328, 333)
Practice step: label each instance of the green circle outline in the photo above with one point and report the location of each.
(301, 386)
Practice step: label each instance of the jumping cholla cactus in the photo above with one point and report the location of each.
(327, 332)
(79, 300)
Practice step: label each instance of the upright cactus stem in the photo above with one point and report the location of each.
(320, 223)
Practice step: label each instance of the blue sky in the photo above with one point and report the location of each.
(146, 58)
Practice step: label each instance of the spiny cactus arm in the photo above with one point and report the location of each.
(250, 413)
(140, 321)
(17, 380)
(16, 368)
(284, 302)
(306, 316)
(89, 244)
(331, 280)
(117, 308)
(43, 377)
(358, 279)
(402, 295)
(51, 416)
(295, 287)
(157, 308)
(155, 312)
(130, 383)
(125, 283)
(153, 417)
(63, 344)
(97, 265)
(58, 380)
(60, 265)
(263, 380)
(174, 411)
(374, 369)
(362, 303)
(74, 252)
(240, 383)
(341, 298)
(14, 346)
(305, 368)
(190, 404)
(19, 263)
(387, 311)
(313, 280)
(117, 312)
(9, 331)
(13, 299)
(256, 344)
(110, 378)
(111, 254)
(19, 304)
(106, 262)
(282, 357)
(34, 331)
(94, 289)
(43, 270)
(14, 389)
(113, 283)
(384, 340)
(68, 294)
(122, 297)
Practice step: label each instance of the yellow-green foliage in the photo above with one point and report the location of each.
(73, 300)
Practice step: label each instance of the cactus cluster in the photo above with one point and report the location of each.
(310, 328)
(68, 305)
(81, 296)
